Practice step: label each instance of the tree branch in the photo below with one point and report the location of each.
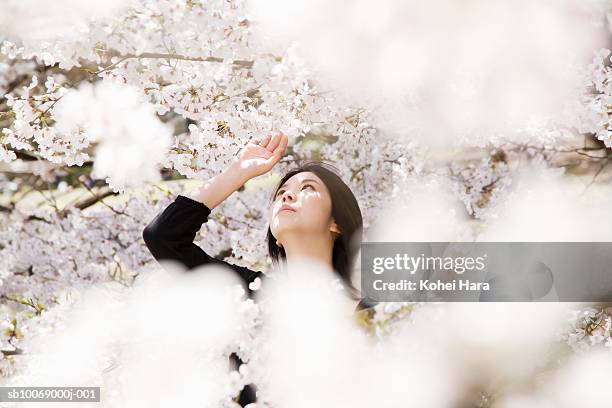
(157, 55)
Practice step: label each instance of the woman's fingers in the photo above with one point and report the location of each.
(270, 141)
(279, 149)
(264, 141)
(282, 145)
(260, 142)
(274, 141)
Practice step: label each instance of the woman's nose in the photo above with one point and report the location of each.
(287, 194)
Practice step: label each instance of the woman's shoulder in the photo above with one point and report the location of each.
(364, 312)
(365, 303)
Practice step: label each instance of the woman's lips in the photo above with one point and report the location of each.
(285, 207)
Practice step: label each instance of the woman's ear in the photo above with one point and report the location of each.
(334, 228)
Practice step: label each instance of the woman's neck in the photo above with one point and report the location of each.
(319, 250)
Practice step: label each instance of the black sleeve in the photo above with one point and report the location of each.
(171, 233)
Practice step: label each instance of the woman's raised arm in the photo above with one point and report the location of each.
(256, 158)
(170, 235)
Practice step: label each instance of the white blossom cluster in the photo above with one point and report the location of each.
(587, 328)
(596, 113)
(457, 75)
(45, 254)
(130, 141)
(88, 342)
(480, 186)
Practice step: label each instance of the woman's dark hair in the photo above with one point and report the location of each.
(346, 213)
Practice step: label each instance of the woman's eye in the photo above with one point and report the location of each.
(282, 191)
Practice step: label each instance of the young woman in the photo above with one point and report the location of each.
(313, 214)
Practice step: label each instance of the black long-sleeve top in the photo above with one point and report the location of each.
(171, 233)
(170, 236)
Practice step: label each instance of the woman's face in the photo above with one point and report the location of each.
(310, 200)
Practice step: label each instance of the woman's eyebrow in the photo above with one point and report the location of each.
(305, 180)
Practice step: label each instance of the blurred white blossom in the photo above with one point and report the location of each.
(130, 139)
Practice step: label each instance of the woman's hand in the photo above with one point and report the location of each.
(259, 156)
